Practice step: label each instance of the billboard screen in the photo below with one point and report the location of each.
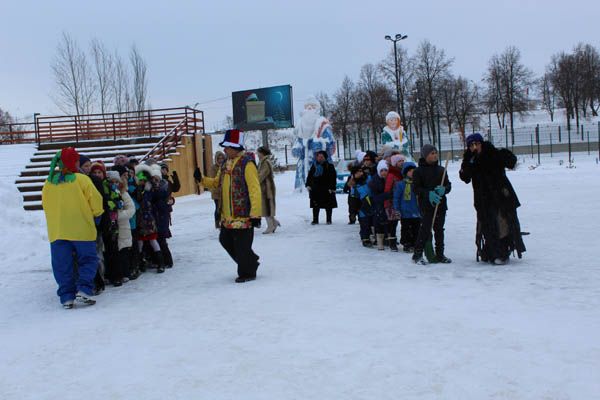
(264, 108)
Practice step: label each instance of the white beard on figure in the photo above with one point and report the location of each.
(308, 119)
(308, 129)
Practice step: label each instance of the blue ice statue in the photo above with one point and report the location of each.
(313, 133)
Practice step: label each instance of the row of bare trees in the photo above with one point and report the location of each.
(99, 80)
(432, 97)
(427, 90)
(572, 82)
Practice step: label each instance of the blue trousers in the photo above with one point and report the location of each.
(365, 226)
(62, 252)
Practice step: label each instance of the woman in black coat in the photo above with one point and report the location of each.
(321, 185)
(495, 200)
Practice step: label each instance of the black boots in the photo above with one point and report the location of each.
(160, 262)
(418, 258)
(315, 220)
(392, 243)
(328, 212)
(440, 257)
(242, 279)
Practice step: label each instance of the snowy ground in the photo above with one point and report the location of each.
(326, 319)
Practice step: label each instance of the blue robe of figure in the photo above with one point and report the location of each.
(305, 149)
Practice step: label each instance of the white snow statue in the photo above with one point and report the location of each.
(393, 134)
(313, 133)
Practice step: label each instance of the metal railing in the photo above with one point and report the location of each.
(145, 123)
(170, 141)
(15, 133)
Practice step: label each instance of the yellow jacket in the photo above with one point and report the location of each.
(70, 209)
(251, 176)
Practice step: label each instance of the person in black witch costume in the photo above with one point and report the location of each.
(495, 200)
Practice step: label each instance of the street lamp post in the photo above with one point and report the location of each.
(397, 38)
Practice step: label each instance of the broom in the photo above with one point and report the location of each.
(428, 250)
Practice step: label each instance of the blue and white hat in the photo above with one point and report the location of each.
(233, 138)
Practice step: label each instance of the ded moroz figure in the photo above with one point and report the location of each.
(313, 133)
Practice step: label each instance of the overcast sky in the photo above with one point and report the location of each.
(198, 51)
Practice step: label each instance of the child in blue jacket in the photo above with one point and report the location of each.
(405, 202)
(361, 191)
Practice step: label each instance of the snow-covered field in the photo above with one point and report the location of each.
(326, 318)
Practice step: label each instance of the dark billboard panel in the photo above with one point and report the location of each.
(264, 108)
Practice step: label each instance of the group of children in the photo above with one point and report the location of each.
(387, 189)
(132, 232)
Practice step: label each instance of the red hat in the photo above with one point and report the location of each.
(98, 165)
(69, 157)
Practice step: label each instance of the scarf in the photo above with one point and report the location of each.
(407, 189)
(319, 169)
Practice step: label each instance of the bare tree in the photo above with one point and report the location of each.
(376, 96)
(588, 66)
(140, 79)
(466, 101)
(509, 79)
(548, 92)
(493, 95)
(404, 80)
(359, 109)
(74, 86)
(432, 68)
(120, 85)
(448, 95)
(104, 71)
(343, 112)
(5, 120)
(326, 104)
(562, 71)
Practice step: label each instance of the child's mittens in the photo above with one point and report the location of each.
(434, 198)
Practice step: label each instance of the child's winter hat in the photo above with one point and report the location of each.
(382, 165)
(113, 176)
(427, 149)
(98, 165)
(155, 171)
(360, 156)
(83, 159)
(407, 167)
(143, 172)
(396, 158)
